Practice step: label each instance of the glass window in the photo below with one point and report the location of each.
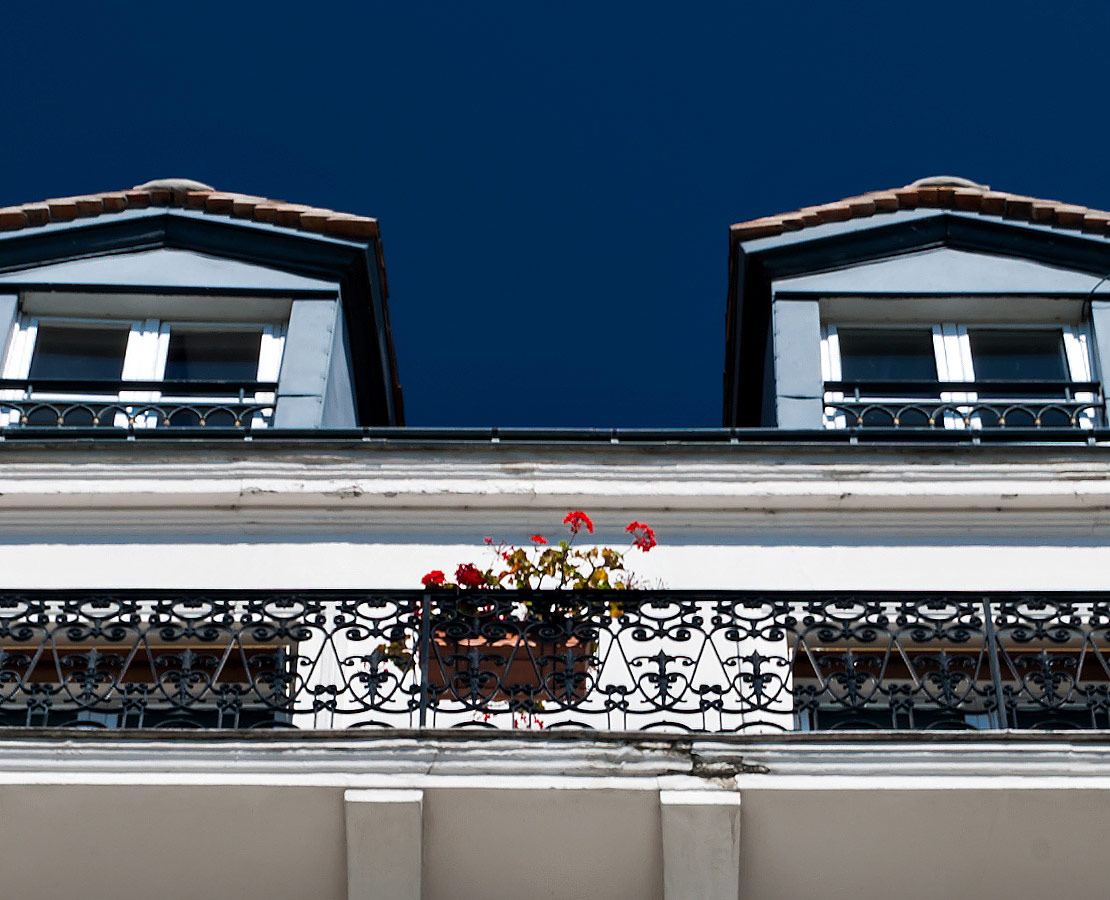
(213, 355)
(1018, 354)
(75, 352)
(874, 355)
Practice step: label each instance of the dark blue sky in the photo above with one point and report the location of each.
(555, 183)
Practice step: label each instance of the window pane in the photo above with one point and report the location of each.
(63, 351)
(868, 355)
(213, 355)
(1018, 355)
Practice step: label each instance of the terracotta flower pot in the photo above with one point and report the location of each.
(507, 663)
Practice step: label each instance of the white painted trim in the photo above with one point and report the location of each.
(620, 478)
(699, 798)
(634, 762)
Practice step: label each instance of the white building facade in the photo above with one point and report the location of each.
(871, 659)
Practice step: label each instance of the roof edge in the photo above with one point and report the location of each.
(931, 193)
(293, 216)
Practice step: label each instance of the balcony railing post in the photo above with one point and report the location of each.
(425, 649)
(996, 670)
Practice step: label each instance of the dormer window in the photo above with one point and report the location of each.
(104, 372)
(78, 351)
(204, 354)
(953, 375)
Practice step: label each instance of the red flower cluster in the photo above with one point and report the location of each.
(576, 519)
(433, 578)
(643, 536)
(469, 576)
(561, 567)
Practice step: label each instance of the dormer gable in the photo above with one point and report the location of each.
(132, 285)
(943, 262)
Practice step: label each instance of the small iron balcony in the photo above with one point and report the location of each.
(963, 404)
(692, 661)
(131, 405)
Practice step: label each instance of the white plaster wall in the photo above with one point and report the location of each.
(554, 844)
(874, 844)
(137, 841)
(1001, 518)
(949, 816)
(282, 564)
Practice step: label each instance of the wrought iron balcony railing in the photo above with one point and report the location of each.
(963, 404)
(639, 660)
(57, 403)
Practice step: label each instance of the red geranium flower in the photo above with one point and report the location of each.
(576, 519)
(468, 576)
(643, 535)
(433, 578)
(537, 539)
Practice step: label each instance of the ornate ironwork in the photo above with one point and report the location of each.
(963, 404)
(135, 404)
(617, 660)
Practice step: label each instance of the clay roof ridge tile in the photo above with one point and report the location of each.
(192, 196)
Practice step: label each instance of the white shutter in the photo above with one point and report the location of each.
(17, 364)
(1078, 354)
(831, 371)
(269, 368)
(140, 363)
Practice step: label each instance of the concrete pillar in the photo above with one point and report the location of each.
(799, 390)
(701, 845)
(385, 844)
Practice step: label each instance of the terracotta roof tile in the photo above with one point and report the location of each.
(1043, 211)
(907, 198)
(63, 209)
(184, 194)
(137, 199)
(1097, 222)
(885, 202)
(37, 213)
(834, 212)
(1070, 216)
(968, 200)
(928, 197)
(1019, 208)
(12, 217)
(861, 207)
(940, 192)
(115, 202)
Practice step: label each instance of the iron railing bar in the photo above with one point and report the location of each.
(113, 385)
(996, 671)
(425, 650)
(961, 386)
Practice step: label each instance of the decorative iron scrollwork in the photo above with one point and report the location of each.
(631, 660)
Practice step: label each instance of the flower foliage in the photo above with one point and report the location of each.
(559, 566)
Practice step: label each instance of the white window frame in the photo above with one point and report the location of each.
(144, 360)
(954, 362)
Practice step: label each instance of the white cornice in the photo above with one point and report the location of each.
(1066, 480)
(826, 761)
